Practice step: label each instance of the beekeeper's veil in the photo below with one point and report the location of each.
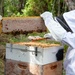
(70, 19)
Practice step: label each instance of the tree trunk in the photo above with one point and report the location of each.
(21, 5)
(70, 4)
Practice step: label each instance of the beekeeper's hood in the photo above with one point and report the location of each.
(70, 19)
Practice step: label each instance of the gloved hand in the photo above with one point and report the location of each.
(49, 36)
(47, 15)
(0, 17)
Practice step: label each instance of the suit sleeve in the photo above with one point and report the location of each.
(55, 28)
(69, 39)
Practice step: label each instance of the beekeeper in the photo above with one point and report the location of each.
(62, 29)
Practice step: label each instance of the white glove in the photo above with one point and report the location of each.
(49, 36)
(0, 17)
(46, 15)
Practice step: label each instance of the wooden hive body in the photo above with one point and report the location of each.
(32, 59)
(22, 24)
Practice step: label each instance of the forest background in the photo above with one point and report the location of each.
(34, 7)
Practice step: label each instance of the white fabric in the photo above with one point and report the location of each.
(54, 27)
(70, 19)
(49, 36)
(47, 14)
(69, 62)
(69, 38)
(60, 34)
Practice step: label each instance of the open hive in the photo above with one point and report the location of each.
(38, 44)
(32, 58)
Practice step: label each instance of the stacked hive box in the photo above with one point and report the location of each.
(22, 24)
(32, 58)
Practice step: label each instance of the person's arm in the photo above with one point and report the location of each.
(56, 30)
(69, 39)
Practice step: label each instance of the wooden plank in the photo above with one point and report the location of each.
(23, 24)
(23, 68)
(53, 68)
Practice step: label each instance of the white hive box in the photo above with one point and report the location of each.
(31, 58)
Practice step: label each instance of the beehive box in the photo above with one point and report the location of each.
(23, 24)
(32, 58)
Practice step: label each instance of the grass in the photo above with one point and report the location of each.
(23, 38)
(1, 67)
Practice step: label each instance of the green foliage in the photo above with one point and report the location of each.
(36, 7)
(33, 7)
(10, 7)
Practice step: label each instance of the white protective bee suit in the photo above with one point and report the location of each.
(59, 33)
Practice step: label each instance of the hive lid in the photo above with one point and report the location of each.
(38, 44)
